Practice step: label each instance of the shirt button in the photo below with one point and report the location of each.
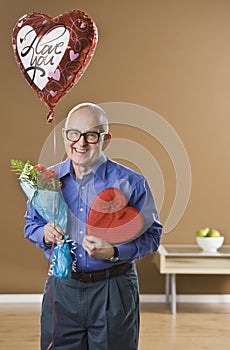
(82, 187)
(80, 255)
(81, 232)
(81, 209)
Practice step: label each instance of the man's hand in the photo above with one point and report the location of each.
(53, 233)
(97, 248)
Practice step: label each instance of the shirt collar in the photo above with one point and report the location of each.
(98, 169)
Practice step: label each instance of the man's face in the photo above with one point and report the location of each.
(81, 152)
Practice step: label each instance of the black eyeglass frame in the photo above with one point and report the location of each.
(84, 134)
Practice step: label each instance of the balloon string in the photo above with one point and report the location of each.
(55, 318)
(55, 165)
(53, 243)
(55, 194)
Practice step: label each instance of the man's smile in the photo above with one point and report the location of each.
(78, 150)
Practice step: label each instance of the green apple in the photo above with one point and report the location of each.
(203, 232)
(214, 233)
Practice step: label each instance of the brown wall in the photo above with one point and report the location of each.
(172, 57)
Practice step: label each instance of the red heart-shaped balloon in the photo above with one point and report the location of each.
(53, 53)
(111, 219)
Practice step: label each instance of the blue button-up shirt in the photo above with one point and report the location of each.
(79, 196)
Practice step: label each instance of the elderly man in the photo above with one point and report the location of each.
(98, 308)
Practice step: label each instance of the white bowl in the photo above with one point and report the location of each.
(210, 244)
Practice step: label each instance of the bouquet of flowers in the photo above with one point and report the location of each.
(42, 189)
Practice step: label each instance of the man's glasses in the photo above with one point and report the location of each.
(89, 136)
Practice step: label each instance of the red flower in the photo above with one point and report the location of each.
(38, 176)
(40, 167)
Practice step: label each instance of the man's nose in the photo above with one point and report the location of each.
(82, 141)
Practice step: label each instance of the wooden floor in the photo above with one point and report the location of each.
(194, 327)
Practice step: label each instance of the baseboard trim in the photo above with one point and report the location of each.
(144, 298)
(20, 298)
(187, 298)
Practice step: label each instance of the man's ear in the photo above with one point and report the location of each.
(63, 133)
(106, 141)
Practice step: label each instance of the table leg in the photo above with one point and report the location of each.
(173, 293)
(167, 287)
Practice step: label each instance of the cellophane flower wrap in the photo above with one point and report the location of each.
(42, 189)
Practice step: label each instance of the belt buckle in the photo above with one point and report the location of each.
(80, 277)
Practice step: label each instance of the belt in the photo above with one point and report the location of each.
(100, 275)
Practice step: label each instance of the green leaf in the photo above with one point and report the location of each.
(17, 166)
(25, 172)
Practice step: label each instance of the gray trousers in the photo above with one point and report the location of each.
(101, 315)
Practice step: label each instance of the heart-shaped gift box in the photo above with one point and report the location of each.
(112, 219)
